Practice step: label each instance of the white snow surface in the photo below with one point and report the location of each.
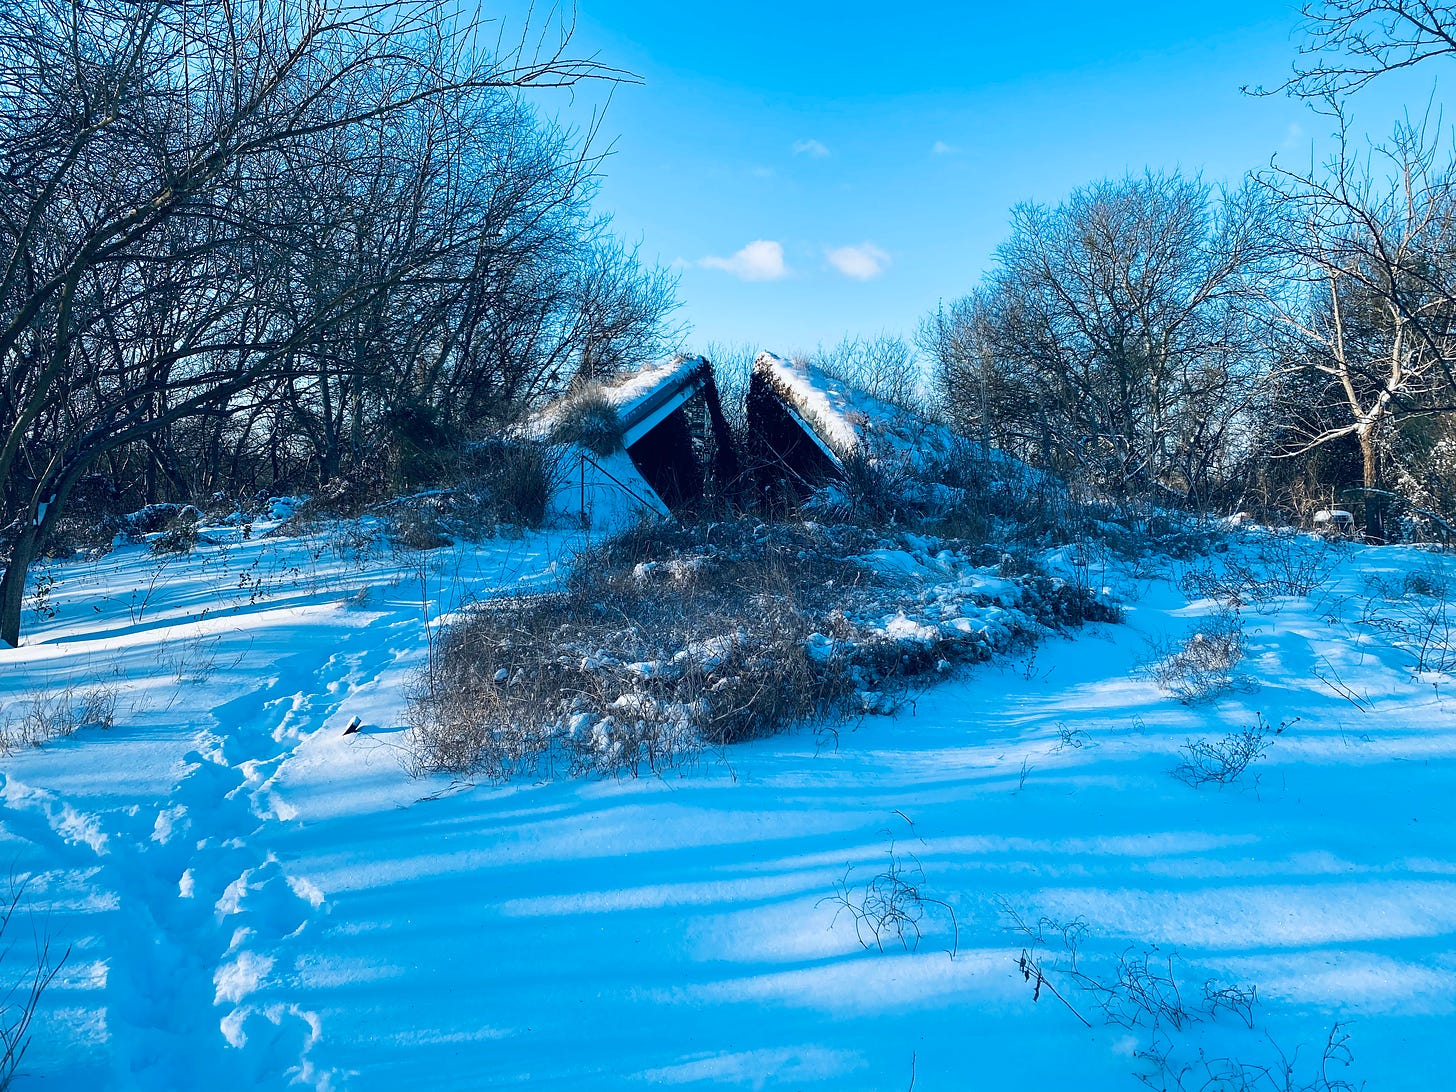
(603, 493)
(252, 899)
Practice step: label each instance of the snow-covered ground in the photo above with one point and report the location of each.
(253, 899)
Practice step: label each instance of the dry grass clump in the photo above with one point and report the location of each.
(501, 483)
(656, 647)
(667, 639)
(519, 479)
(54, 714)
(590, 419)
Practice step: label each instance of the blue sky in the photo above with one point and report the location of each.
(815, 170)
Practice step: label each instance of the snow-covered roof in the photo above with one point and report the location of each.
(848, 420)
(641, 399)
(631, 392)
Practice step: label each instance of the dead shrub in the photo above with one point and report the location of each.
(363, 485)
(89, 536)
(416, 523)
(150, 519)
(180, 535)
(891, 906)
(1147, 990)
(21, 989)
(1203, 667)
(1223, 761)
(654, 649)
(1284, 563)
(1415, 617)
(1016, 503)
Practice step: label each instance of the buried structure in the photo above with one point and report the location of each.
(807, 429)
(804, 430)
(656, 439)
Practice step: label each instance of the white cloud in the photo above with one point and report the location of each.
(811, 148)
(940, 147)
(760, 260)
(862, 262)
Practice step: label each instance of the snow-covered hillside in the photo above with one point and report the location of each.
(253, 899)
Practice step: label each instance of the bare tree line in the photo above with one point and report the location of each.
(1290, 341)
(271, 242)
(1111, 340)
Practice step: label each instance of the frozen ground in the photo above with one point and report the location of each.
(253, 899)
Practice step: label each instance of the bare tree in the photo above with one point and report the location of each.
(981, 398)
(456, 201)
(883, 366)
(1349, 43)
(1113, 338)
(1370, 306)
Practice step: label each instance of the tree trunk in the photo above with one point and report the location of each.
(40, 520)
(1374, 506)
(12, 585)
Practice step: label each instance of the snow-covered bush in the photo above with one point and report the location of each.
(512, 484)
(354, 490)
(657, 647)
(957, 491)
(878, 490)
(180, 536)
(668, 639)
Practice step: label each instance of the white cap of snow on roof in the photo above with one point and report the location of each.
(848, 419)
